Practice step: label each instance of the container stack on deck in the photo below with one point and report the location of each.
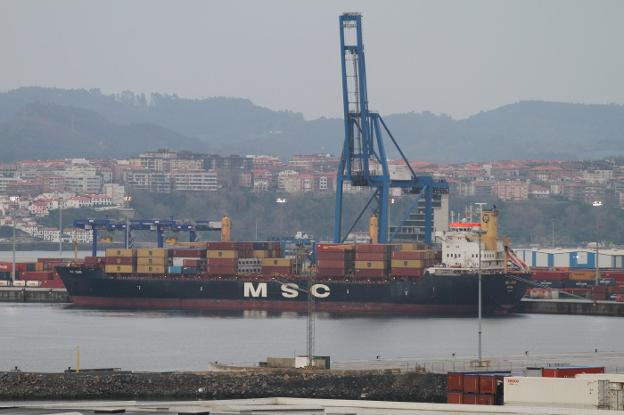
(372, 260)
(152, 260)
(222, 258)
(335, 260)
(410, 260)
(187, 261)
(580, 282)
(120, 260)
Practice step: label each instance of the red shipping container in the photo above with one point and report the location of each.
(331, 272)
(570, 372)
(188, 253)
(332, 247)
(36, 275)
(330, 264)
(92, 260)
(370, 256)
(407, 272)
(193, 262)
(333, 256)
(271, 270)
(455, 381)
(483, 399)
(221, 245)
(471, 383)
(369, 273)
(487, 383)
(52, 284)
(379, 248)
(454, 397)
(470, 399)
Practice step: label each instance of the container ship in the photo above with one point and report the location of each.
(410, 279)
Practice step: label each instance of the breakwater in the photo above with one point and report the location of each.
(581, 307)
(370, 385)
(33, 295)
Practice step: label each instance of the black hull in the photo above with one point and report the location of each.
(427, 295)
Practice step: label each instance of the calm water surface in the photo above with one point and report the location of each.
(44, 337)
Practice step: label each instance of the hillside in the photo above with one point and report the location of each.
(126, 123)
(42, 131)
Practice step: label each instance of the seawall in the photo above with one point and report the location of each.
(33, 295)
(585, 307)
(370, 385)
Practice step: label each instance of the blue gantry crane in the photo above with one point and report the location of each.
(363, 161)
(160, 226)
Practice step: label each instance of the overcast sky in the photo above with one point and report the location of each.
(453, 57)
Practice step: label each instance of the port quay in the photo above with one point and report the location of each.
(362, 262)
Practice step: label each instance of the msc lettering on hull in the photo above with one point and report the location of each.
(288, 290)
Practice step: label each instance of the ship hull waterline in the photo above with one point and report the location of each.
(427, 295)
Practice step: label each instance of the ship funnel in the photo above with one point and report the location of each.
(226, 228)
(489, 227)
(373, 229)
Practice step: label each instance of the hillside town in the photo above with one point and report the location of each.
(31, 189)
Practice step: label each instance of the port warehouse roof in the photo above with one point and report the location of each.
(571, 257)
(285, 406)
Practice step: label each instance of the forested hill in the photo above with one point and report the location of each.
(60, 122)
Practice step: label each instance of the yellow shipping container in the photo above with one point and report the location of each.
(151, 269)
(261, 253)
(408, 263)
(152, 261)
(370, 264)
(153, 252)
(38, 266)
(124, 269)
(119, 252)
(582, 275)
(222, 254)
(276, 262)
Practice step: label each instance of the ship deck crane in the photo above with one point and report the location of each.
(160, 226)
(363, 161)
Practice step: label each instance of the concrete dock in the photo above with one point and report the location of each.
(281, 405)
(33, 295)
(574, 306)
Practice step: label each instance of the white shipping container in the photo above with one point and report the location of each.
(562, 259)
(611, 377)
(178, 262)
(541, 260)
(19, 283)
(33, 283)
(556, 392)
(4, 283)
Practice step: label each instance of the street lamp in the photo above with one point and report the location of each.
(597, 204)
(60, 204)
(480, 298)
(14, 200)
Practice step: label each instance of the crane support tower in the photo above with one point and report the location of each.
(363, 162)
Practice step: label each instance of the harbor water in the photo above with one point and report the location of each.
(44, 337)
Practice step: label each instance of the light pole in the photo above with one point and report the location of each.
(597, 204)
(480, 296)
(14, 200)
(60, 203)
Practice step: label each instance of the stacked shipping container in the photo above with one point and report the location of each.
(152, 260)
(475, 388)
(335, 260)
(222, 258)
(120, 261)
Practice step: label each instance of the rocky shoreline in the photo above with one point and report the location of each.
(370, 385)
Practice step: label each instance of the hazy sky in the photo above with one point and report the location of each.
(454, 57)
